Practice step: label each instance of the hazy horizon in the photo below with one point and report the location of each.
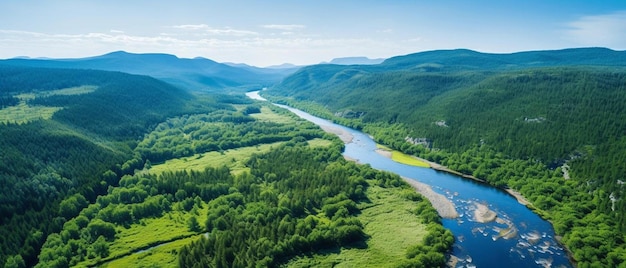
(272, 33)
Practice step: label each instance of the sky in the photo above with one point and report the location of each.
(269, 32)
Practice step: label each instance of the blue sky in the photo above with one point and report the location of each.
(270, 32)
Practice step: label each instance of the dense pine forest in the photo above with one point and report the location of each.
(45, 162)
(98, 167)
(550, 124)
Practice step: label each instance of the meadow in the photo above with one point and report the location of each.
(390, 225)
(23, 113)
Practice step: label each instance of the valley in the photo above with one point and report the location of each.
(173, 165)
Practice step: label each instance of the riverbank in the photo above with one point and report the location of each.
(445, 208)
(345, 136)
(388, 153)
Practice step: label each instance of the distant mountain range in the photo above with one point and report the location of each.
(193, 74)
(464, 59)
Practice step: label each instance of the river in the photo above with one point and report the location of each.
(517, 238)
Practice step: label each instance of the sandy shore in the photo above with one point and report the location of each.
(483, 213)
(384, 153)
(521, 199)
(445, 208)
(345, 136)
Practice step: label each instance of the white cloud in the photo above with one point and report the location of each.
(260, 50)
(608, 30)
(284, 27)
(191, 26)
(116, 31)
(203, 28)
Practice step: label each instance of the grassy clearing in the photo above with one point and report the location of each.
(319, 143)
(162, 256)
(170, 227)
(270, 116)
(392, 229)
(234, 159)
(403, 158)
(23, 113)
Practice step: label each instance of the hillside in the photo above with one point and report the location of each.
(195, 74)
(111, 169)
(512, 119)
(60, 131)
(481, 100)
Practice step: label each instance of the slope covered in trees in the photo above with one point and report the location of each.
(512, 119)
(78, 189)
(45, 162)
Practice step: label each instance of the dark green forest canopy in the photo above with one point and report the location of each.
(44, 161)
(512, 119)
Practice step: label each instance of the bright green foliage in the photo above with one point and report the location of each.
(15, 262)
(216, 131)
(295, 200)
(512, 120)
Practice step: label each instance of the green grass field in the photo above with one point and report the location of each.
(403, 158)
(270, 116)
(162, 256)
(172, 226)
(233, 159)
(392, 229)
(319, 142)
(24, 113)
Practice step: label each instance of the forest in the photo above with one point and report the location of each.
(515, 127)
(48, 161)
(87, 186)
(110, 169)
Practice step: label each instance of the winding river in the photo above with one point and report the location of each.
(516, 238)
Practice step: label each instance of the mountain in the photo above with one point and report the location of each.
(402, 89)
(193, 74)
(550, 124)
(284, 66)
(355, 61)
(464, 59)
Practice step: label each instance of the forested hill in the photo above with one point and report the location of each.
(463, 59)
(543, 111)
(60, 131)
(490, 115)
(193, 74)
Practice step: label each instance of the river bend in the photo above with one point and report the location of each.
(517, 237)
